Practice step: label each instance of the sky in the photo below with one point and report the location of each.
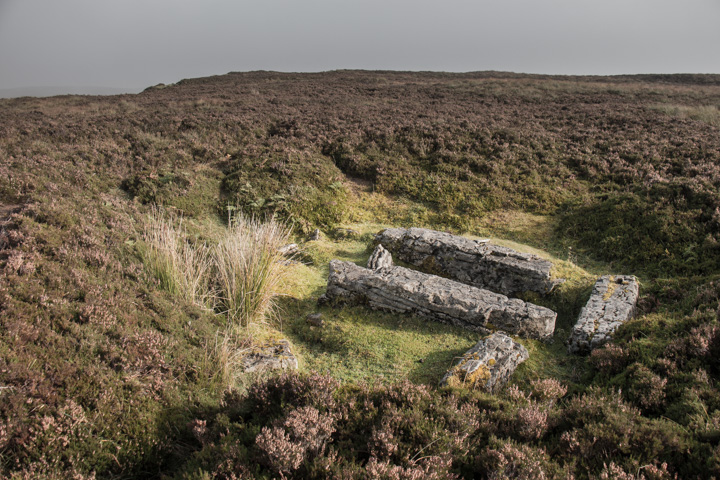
(132, 44)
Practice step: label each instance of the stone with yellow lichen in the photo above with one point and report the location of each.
(611, 304)
(488, 365)
(273, 355)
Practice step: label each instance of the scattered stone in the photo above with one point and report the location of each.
(315, 319)
(289, 250)
(474, 262)
(611, 304)
(273, 356)
(398, 289)
(315, 235)
(488, 365)
(380, 259)
(345, 233)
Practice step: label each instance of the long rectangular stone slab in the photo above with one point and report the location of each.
(612, 303)
(402, 290)
(488, 365)
(476, 263)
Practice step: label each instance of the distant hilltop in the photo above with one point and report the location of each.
(54, 91)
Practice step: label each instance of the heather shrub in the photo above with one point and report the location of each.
(506, 459)
(531, 422)
(547, 390)
(266, 399)
(304, 432)
(645, 388)
(430, 467)
(609, 359)
(602, 427)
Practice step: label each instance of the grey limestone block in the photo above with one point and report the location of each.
(379, 259)
(474, 262)
(488, 365)
(272, 356)
(611, 304)
(399, 289)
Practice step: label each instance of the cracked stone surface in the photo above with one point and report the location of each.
(380, 259)
(273, 356)
(473, 262)
(399, 289)
(611, 304)
(488, 365)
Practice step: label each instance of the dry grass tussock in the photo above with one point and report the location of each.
(705, 113)
(240, 276)
(249, 270)
(182, 268)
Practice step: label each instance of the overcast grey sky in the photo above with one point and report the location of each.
(136, 43)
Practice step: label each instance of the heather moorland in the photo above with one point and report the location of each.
(125, 313)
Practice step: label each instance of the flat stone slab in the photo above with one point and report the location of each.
(399, 289)
(488, 365)
(611, 304)
(474, 262)
(271, 356)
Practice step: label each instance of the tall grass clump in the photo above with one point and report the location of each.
(182, 268)
(249, 269)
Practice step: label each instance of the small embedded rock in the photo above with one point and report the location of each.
(270, 356)
(315, 235)
(345, 233)
(289, 250)
(315, 319)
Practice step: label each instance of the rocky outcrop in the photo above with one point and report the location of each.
(473, 262)
(611, 304)
(402, 290)
(488, 365)
(272, 356)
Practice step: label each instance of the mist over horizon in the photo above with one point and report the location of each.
(134, 45)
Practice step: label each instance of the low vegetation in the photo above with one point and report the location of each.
(127, 297)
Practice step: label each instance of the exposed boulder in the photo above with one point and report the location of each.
(402, 290)
(611, 304)
(272, 356)
(379, 259)
(474, 262)
(488, 365)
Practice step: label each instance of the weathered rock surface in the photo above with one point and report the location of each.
(488, 365)
(289, 250)
(380, 259)
(399, 289)
(315, 319)
(611, 304)
(273, 356)
(473, 262)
